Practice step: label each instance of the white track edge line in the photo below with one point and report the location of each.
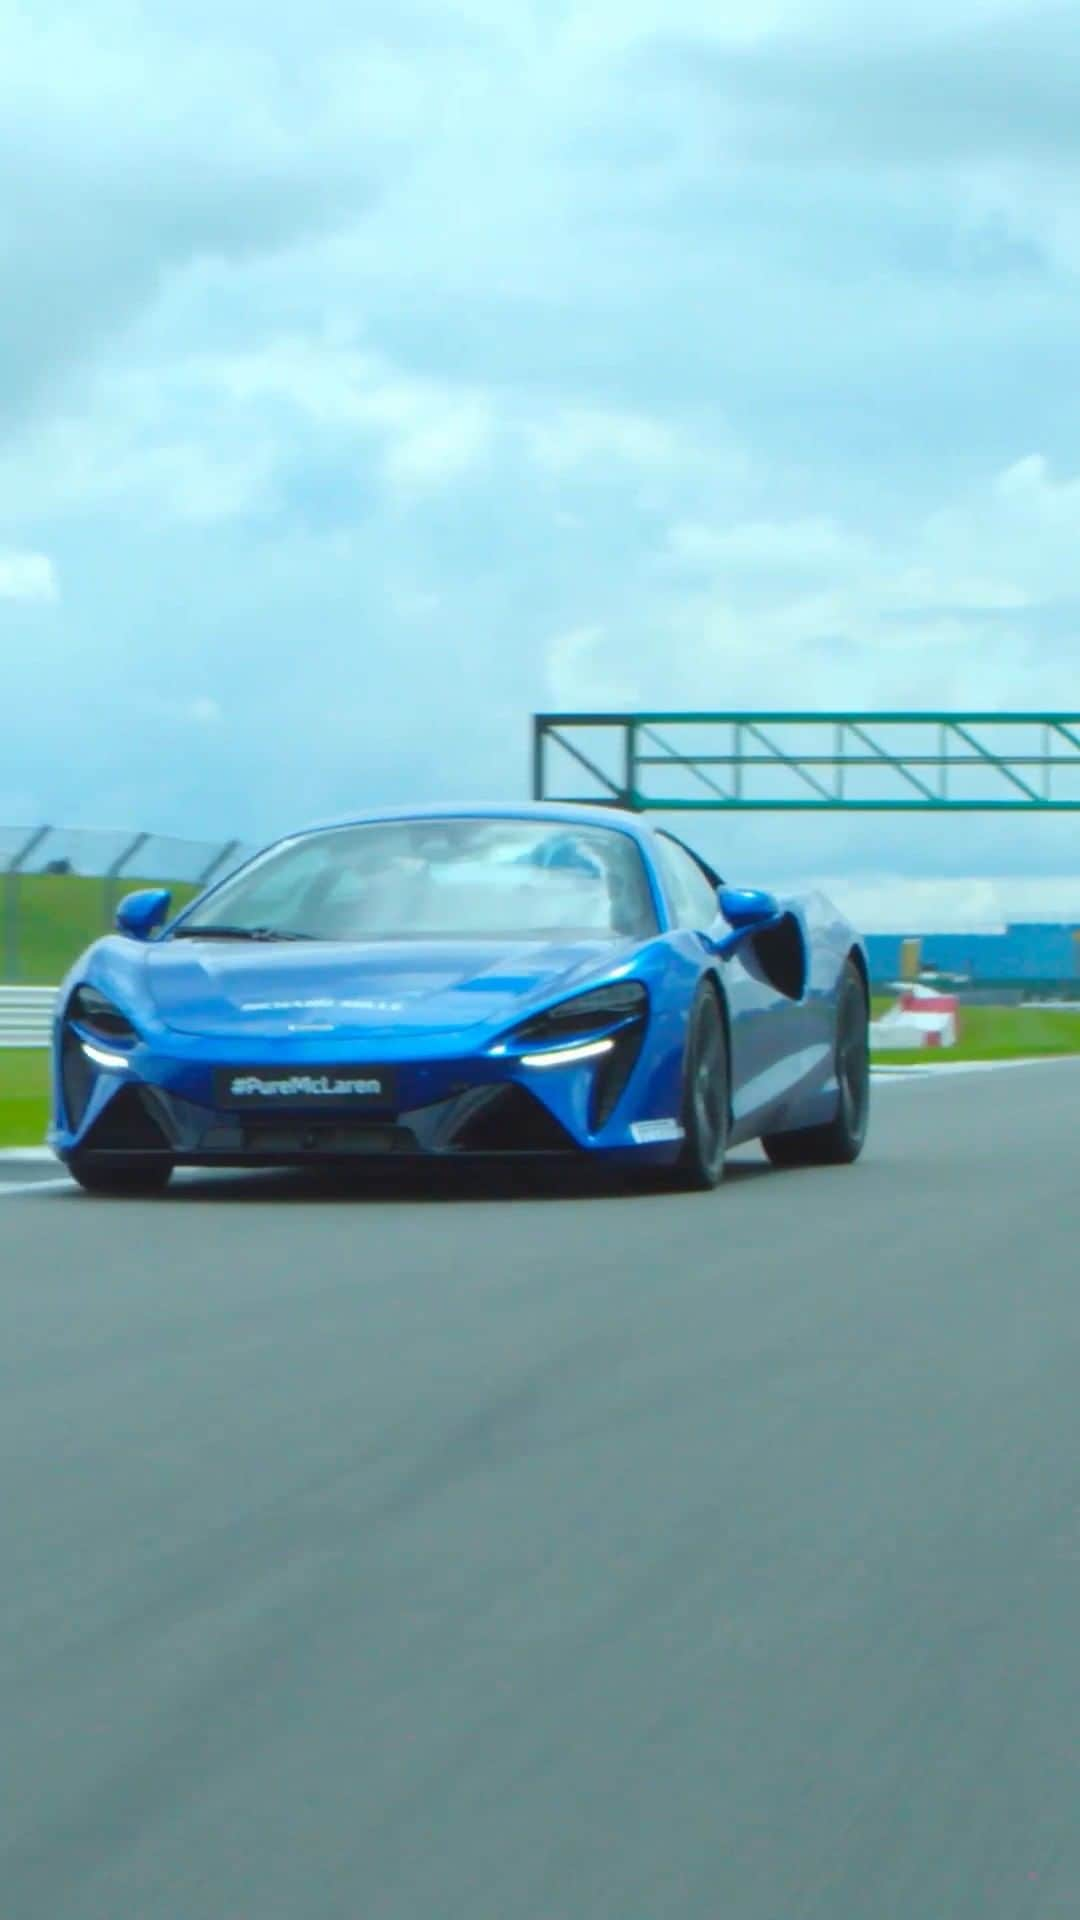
(23, 1187)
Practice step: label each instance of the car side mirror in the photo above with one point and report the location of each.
(139, 914)
(745, 908)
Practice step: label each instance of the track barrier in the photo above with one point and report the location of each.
(26, 1016)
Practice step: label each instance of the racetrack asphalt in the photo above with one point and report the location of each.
(554, 1558)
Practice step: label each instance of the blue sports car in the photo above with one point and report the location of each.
(519, 980)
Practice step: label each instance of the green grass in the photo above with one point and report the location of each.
(58, 914)
(996, 1033)
(24, 1096)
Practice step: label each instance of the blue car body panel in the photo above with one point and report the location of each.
(432, 1023)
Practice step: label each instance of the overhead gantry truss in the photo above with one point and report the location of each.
(811, 762)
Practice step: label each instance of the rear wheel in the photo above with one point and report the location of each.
(706, 1097)
(120, 1179)
(841, 1140)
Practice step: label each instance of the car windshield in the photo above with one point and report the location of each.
(439, 879)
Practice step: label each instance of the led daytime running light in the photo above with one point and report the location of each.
(567, 1056)
(112, 1062)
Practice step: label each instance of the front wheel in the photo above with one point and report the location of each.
(120, 1179)
(840, 1141)
(706, 1096)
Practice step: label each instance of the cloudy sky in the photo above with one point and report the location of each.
(371, 375)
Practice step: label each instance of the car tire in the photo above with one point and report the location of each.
(706, 1099)
(840, 1141)
(120, 1179)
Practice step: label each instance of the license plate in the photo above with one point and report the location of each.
(274, 1089)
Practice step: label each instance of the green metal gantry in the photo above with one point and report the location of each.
(812, 762)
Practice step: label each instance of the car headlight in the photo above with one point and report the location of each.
(587, 1016)
(95, 1035)
(605, 1026)
(96, 1016)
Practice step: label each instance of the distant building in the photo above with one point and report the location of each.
(1024, 955)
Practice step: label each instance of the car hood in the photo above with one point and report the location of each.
(220, 989)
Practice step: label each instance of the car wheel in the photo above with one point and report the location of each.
(706, 1097)
(841, 1140)
(121, 1179)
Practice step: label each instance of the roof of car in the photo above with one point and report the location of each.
(566, 813)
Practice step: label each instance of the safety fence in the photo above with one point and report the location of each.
(59, 888)
(26, 1016)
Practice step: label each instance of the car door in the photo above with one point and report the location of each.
(763, 1034)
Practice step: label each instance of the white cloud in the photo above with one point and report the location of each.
(1023, 529)
(201, 711)
(201, 438)
(410, 603)
(136, 444)
(774, 548)
(583, 670)
(102, 462)
(575, 437)
(427, 433)
(1033, 498)
(434, 444)
(967, 606)
(27, 577)
(607, 25)
(884, 903)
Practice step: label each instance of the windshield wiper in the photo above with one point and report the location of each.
(192, 931)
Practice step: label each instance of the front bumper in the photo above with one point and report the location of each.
(166, 1105)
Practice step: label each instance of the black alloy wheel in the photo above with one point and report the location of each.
(706, 1105)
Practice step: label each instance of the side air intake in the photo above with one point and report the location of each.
(508, 1119)
(128, 1126)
